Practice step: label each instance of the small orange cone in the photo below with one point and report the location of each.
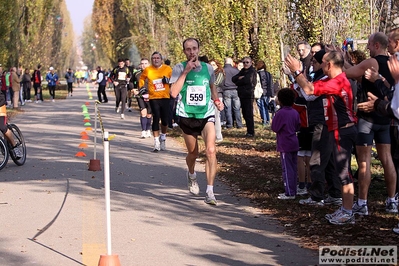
(86, 120)
(109, 260)
(83, 145)
(83, 133)
(80, 154)
(85, 137)
(89, 129)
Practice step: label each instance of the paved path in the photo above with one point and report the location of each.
(155, 221)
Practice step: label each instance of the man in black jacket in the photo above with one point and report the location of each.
(246, 82)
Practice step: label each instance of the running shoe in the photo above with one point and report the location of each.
(210, 199)
(157, 146)
(329, 216)
(342, 218)
(309, 201)
(163, 144)
(391, 206)
(361, 210)
(301, 191)
(143, 134)
(192, 183)
(332, 201)
(282, 196)
(18, 153)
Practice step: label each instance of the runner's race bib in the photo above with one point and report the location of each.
(121, 75)
(196, 95)
(158, 85)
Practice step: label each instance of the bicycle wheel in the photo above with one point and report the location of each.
(20, 143)
(3, 153)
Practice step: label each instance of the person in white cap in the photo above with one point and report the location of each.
(52, 79)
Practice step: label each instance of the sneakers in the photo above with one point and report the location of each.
(210, 199)
(361, 210)
(18, 153)
(122, 116)
(163, 144)
(329, 216)
(129, 109)
(301, 191)
(193, 184)
(391, 206)
(117, 109)
(309, 201)
(143, 134)
(157, 146)
(331, 200)
(285, 197)
(342, 217)
(148, 134)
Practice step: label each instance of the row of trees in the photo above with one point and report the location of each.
(36, 32)
(263, 29)
(40, 31)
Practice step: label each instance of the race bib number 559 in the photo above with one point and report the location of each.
(196, 95)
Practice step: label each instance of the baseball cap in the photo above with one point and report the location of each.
(51, 68)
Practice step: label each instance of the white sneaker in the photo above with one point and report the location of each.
(210, 199)
(301, 191)
(117, 109)
(148, 134)
(143, 134)
(175, 125)
(53, 100)
(192, 183)
(163, 144)
(122, 116)
(157, 146)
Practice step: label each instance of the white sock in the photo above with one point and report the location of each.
(163, 136)
(209, 188)
(156, 139)
(192, 175)
(361, 202)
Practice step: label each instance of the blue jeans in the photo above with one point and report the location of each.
(263, 105)
(232, 106)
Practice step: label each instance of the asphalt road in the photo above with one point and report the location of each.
(53, 208)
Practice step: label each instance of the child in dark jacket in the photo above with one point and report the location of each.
(286, 123)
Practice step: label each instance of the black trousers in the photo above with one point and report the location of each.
(101, 92)
(323, 164)
(247, 106)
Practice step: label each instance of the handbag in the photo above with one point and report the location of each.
(258, 88)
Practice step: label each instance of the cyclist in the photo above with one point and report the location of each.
(3, 127)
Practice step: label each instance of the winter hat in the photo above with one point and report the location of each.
(319, 56)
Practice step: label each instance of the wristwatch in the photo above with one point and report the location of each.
(297, 73)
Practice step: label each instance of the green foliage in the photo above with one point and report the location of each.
(35, 32)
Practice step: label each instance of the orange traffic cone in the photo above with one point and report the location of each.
(109, 260)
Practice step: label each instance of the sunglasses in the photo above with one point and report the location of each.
(247, 62)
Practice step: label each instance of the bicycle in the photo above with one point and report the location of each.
(6, 150)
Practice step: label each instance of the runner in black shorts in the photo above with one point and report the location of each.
(141, 95)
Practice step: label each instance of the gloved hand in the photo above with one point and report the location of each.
(165, 80)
